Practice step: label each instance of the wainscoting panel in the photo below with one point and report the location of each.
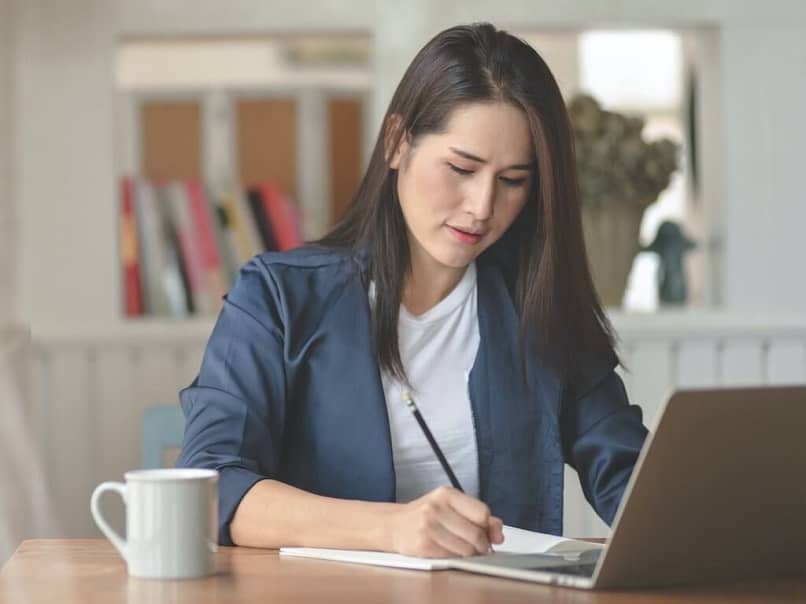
(89, 388)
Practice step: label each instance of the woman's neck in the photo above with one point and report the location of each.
(427, 284)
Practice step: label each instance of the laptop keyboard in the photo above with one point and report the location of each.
(583, 567)
(576, 570)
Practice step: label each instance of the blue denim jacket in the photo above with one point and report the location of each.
(290, 389)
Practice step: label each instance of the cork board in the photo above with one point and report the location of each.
(345, 126)
(267, 142)
(171, 140)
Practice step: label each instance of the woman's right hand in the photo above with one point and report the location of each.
(445, 523)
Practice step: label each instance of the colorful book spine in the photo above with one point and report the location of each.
(225, 238)
(179, 207)
(151, 243)
(182, 245)
(211, 261)
(282, 214)
(129, 252)
(174, 274)
(248, 223)
(237, 226)
(261, 218)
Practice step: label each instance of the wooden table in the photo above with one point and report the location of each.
(88, 571)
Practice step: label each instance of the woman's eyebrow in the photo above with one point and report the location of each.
(472, 157)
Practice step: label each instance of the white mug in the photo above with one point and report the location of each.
(171, 522)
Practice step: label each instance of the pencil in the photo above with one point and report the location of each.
(430, 437)
(434, 446)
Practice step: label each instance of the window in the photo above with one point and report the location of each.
(636, 73)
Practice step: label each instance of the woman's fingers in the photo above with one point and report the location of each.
(471, 508)
(470, 533)
(446, 523)
(495, 532)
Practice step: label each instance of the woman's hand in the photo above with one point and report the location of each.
(445, 523)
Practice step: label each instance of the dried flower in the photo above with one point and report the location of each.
(614, 162)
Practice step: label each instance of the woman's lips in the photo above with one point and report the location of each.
(465, 236)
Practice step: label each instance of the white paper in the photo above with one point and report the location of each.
(520, 541)
(516, 541)
(356, 556)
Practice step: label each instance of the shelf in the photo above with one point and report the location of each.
(666, 324)
(706, 323)
(145, 330)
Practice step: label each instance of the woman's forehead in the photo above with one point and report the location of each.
(493, 131)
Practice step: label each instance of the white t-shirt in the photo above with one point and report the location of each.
(438, 349)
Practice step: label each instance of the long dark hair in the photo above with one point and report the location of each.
(559, 310)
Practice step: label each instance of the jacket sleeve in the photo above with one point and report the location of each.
(235, 408)
(602, 436)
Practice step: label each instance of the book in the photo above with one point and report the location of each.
(150, 241)
(129, 252)
(225, 237)
(182, 243)
(282, 214)
(205, 237)
(236, 227)
(261, 218)
(248, 223)
(174, 273)
(178, 204)
(516, 541)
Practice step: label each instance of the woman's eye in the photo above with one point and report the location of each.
(513, 182)
(459, 170)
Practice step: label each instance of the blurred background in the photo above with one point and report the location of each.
(148, 148)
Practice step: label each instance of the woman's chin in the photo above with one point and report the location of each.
(456, 259)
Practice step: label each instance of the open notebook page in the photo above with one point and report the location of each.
(516, 541)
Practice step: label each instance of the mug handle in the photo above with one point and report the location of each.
(119, 543)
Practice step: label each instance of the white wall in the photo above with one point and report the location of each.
(64, 161)
(65, 167)
(7, 231)
(764, 125)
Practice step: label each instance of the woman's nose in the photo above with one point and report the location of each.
(481, 200)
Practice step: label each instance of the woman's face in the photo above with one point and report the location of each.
(461, 189)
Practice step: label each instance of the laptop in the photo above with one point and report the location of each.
(718, 494)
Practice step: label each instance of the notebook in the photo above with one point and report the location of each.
(516, 541)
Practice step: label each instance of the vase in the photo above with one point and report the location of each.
(611, 233)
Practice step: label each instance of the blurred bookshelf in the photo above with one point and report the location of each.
(229, 147)
(185, 228)
(182, 242)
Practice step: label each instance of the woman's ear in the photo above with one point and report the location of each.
(395, 141)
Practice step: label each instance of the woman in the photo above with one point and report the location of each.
(459, 273)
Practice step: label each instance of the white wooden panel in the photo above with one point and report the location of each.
(157, 380)
(786, 362)
(188, 363)
(697, 365)
(652, 379)
(41, 388)
(51, 516)
(579, 519)
(742, 362)
(117, 415)
(118, 420)
(71, 436)
(156, 383)
(88, 392)
(24, 501)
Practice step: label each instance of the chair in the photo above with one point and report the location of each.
(163, 428)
